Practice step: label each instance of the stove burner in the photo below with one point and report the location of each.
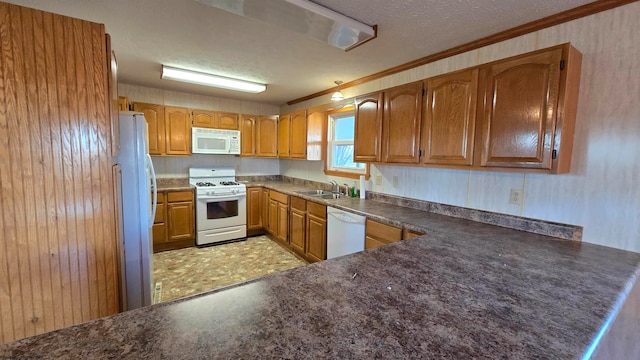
(227, 183)
(205, 184)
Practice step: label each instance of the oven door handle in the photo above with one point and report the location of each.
(222, 197)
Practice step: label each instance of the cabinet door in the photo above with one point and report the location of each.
(264, 208)
(316, 131)
(449, 118)
(154, 115)
(253, 208)
(159, 232)
(283, 223)
(401, 123)
(178, 127)
(204, 118)
(181, 221)
(298, 135)
(112, 77)
(298, 230)
(284, 130)
(368, 128)
(247, 135)
(521, 107)
(273, 217)
(316, 238)
(267, 136)
(371, 242)
(227, 121)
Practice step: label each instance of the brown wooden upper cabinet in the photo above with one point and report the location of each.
(266, 136)
(178, 131)
(284, 129)
(450, 118)
(401, 121)
(298, 135)
(258, 136)
(531, 102)
(368, 128)
(248, 135)
(154, 115)
(215, 119)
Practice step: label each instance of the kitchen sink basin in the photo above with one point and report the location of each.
(323, 194)
(314, 192)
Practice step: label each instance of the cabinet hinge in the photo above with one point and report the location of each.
(562, 64)
(554, 154)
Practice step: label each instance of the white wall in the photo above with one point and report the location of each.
(602, 192)
(178, 166)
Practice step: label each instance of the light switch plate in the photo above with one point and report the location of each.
(378, 179)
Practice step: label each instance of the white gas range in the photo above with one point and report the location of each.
(221, 205)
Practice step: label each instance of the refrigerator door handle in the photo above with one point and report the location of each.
(155, 190)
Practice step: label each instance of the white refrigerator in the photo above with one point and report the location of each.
(137, 207)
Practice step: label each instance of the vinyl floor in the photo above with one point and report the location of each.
(189, 271)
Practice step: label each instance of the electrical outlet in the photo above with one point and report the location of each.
(516, 197)
(378, 179)
(395, 181)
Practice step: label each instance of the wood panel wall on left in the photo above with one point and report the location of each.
(58, 253)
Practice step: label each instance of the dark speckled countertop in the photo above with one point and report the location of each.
(464, 290)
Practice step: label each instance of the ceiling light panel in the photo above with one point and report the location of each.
(304, 17)
(194, 77)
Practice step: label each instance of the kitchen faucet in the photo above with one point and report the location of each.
(335, 183)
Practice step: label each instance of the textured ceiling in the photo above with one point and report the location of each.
(186, 33)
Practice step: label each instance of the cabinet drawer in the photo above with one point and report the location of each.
(175, 196)
(317, 210)
(370, 243)
(298, 204)
(410, 234)
(279, 197)
(383, 232)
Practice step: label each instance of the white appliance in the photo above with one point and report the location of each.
(137, 209)
(221, 205)
(215, 141)
(345, 232)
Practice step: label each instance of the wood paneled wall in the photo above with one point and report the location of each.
(58, 264)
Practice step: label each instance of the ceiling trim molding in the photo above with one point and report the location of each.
(559, 18)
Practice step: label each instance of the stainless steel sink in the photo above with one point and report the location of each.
(314, 192)
(323, 194)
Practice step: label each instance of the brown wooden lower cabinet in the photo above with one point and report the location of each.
(378, 234)
(174, 224)
(254, 211)
(298, 228)
(316, 232)
(279, 216)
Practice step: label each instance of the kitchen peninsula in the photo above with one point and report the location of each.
(464, 290)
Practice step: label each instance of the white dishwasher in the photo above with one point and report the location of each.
(345, 232)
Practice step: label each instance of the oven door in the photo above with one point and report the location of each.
(217, 212)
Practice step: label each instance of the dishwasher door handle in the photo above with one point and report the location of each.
(344, 218)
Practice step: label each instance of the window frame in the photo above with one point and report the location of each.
(328, 143)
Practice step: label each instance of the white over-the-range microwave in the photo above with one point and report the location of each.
(215, 141)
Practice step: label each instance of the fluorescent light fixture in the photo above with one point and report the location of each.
(199, 78)
(304, 17)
